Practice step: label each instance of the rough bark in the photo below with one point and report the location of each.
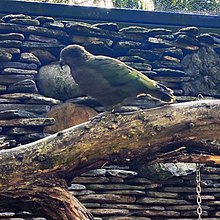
(186, 132)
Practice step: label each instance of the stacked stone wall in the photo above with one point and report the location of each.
(187, 61)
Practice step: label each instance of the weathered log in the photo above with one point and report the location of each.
(186, 132)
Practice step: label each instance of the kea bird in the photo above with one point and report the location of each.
(109, 80)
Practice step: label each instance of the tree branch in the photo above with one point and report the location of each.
(113, 138)
(187, 132)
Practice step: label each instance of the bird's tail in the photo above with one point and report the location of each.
(163, 93)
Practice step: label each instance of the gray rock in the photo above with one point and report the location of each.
(24, 21)
(204, 72)
(122, 173)
(7, 214)
(75, 186)
(166, 64)
(18, 71)
(27, 122)
(170, 72)
(90, 179)
(12, 36)
(96, 172)
(159, 213)
(33, 37)
(55, 47)
(174, 52)
(182, 38)
(5, 56)
(146, 54)
(29, 58)
(19, 65)
(38, 109)
(10, 79)
(11, 114)
(133, 59)
(107, 198)
(44, 56)
(165, 201)
(99, 48)
(192, 30)
(13, 51)
(61, 83)
(12, 16)
(81, 192)
(27, 85)
(6, 27)
(56, 25)
(3, 88)
(85, 100)
(107, 26)
(206, 38)
(22, 131)
(10, 43)
(44, 19)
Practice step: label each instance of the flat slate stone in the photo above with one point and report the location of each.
(12, 16)
(9, 101)
(162, 194)
(107, 26)
(3, 88)
(133, 206)
(159, 213)
(84, 179)
(34, 37)
(126, 192)
(31, 98)
(58, 25)
(28, 122)
(19, 65)
(27, 85)
(19, 71)
(81, 192)
(107, 198)
(39, 109)
(84, 40)
(10, 43)
(170, 72)
(11, 114)
(146, 54)
(10, 79)
(5, 56)
(8, 27)
(43, 19)
(24, 21)
(29, 58)
(122, 173)
(44, 56)
(12, 36)
(192, 30)
(114, 187)
(11, 50)
(102, 211)
(21, 131)
(165, 201)
(96, 172)
(41, 45)
(75, 186)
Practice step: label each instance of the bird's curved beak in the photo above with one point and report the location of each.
(61, 63)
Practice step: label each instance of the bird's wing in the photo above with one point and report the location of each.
(118, 73)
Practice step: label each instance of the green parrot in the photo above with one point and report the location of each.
(109, 80)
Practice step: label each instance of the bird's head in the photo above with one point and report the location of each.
(72, 53)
